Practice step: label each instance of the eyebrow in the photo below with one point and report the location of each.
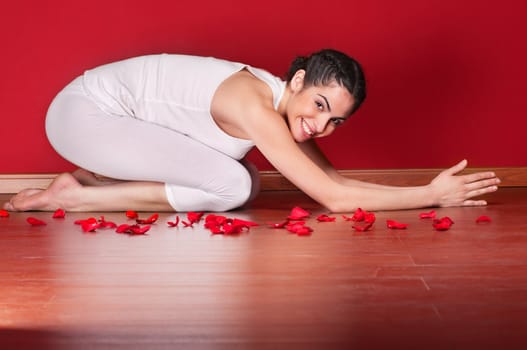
(327, 102)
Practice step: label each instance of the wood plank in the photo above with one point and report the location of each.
(268, 289)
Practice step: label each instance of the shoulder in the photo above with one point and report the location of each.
(244, 83)
(241, 98)
(242, 104)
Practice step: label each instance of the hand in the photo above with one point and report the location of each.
(450, 190)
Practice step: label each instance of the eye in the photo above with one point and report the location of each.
(337, 121)
(319, 105)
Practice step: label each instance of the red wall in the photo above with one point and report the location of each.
(446, 77)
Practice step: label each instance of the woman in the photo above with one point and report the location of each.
(169, 132)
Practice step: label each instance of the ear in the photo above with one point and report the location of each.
(297, 82)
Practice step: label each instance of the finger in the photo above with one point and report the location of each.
(456, 168)
(480, 176)
(482, 191)
(481, 184)
(473, 203)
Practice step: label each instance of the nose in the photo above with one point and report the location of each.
(323, 121)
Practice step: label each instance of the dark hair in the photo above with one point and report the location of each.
(326, 66)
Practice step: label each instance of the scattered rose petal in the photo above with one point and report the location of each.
(187, 224)
(243, 223)
(153, 218)
(396, 225)
(325, 218)
(429, 215)
(361, 216)
(358, 215)
(138, 230)
(91, 220)
(173, 223)
(132, 229)
(218, 224)
(194, 217)
(212, 220)
(483, 218)
(362, 228)
(35, 222)
(369, 217)
(278, 225)
(442, 224)
(304, 231)
(229, 228)
(299, 227)
(298, 213)
(4, 213)
(89, 226)
(59, 214)
(106, 224)
(131, 214)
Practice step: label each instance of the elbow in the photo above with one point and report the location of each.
(338, 208)
(339, 204)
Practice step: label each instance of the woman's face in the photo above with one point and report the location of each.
(316, 111)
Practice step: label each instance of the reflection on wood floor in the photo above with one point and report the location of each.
(185, 288)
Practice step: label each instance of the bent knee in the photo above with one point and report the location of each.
(239, 192)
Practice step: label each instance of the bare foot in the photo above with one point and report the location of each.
(57, 195)
(87, 178)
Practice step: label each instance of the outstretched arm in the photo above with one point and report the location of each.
(450, 189)
(306, 167)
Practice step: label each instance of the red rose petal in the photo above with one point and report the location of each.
(88, 226)
(106, 224)
(122, 228)
(396, 225)
(187, 224)
(483, 218)
(4, 213)
(173, 223)
(194, 217)
(442, 224)
(229, 228)
(369, 217)
(218, 224)
(131, 214)
(153, 218)
(59, 214)
(429, 215)
(35, 222)
(325, 218)
(132, 229)
(91, 220)
(304, 231)
(278, 225)
(243, 223)
(213, 219)
(216, 230)
(298, 213)
(362, 228)
(358, 215)
(138, 230)
(299, 228)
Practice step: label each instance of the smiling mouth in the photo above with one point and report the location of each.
(306, 128)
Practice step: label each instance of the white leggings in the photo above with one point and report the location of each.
(196, 177)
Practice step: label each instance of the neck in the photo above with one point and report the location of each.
(282, 106)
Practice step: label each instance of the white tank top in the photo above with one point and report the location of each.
(174, 91)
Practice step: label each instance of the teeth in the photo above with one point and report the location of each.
(306, 128)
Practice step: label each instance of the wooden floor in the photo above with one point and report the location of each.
(183, 288)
